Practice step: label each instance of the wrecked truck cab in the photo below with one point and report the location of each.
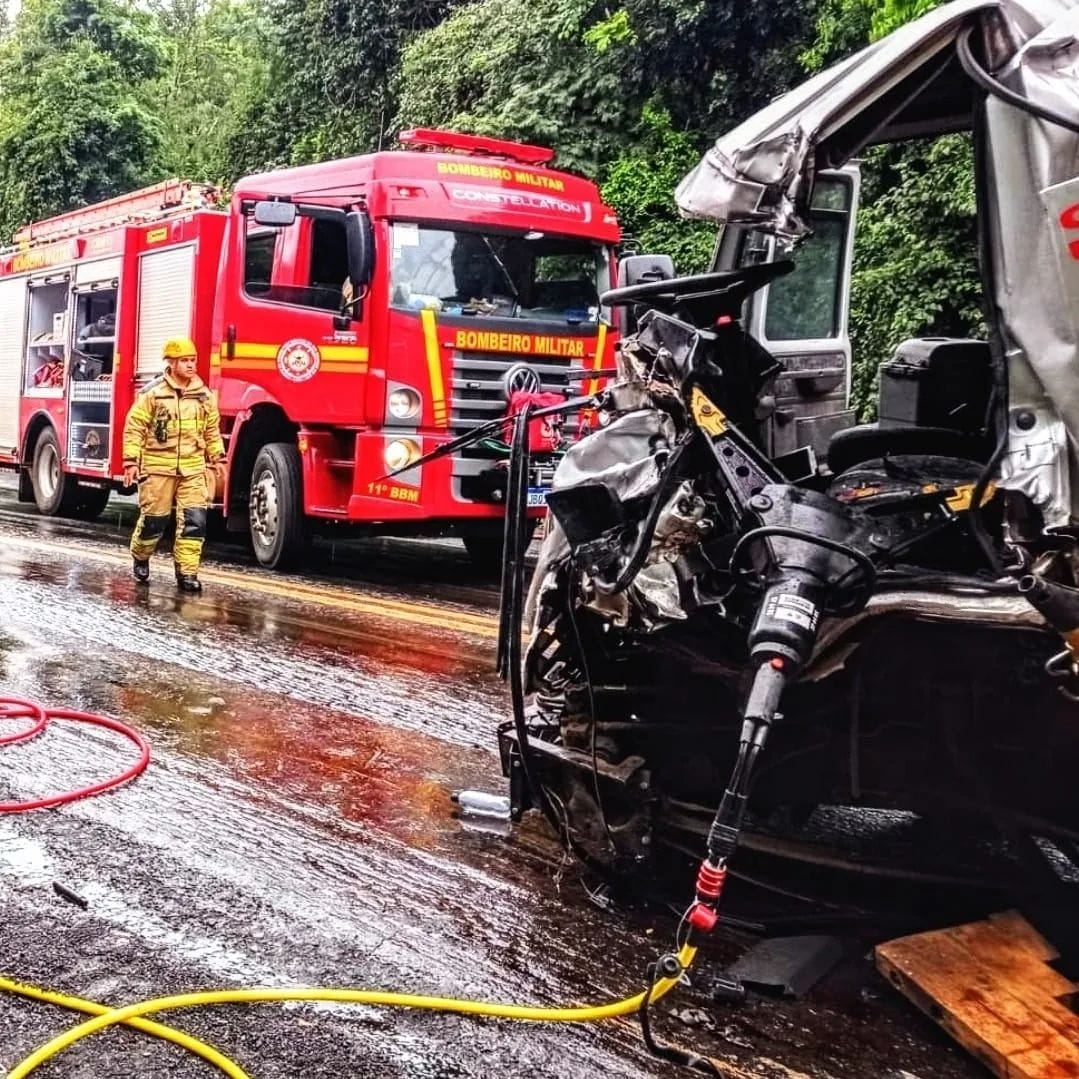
(820, 612)
(931, 77)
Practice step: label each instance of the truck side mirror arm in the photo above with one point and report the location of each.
(351, 310)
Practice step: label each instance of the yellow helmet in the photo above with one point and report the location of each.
(177, 348)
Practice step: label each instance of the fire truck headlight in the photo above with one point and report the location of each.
(403, 404)
(400, 453)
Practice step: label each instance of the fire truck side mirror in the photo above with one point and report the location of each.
(361, 248)
(360, 237)
(274, 214)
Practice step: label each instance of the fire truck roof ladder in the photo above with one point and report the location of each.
(429, 139)
(151, 203)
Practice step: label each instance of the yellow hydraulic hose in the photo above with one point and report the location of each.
(147, 1026)
(133, 1012)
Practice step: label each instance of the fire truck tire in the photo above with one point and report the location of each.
(56, 492)
(278, 530)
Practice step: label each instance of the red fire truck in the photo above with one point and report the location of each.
(352, 316)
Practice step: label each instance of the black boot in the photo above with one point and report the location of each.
(188, 582)
(141, 569)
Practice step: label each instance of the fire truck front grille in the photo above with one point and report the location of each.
(478, 394)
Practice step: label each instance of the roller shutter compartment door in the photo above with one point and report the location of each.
(165, 286)
(94, 272)
(12, 319)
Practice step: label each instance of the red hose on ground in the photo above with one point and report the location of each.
(11, 708)
(15, 708)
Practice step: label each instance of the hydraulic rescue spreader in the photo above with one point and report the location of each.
(799, 555)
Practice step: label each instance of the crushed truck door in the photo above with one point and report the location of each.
(802, 318)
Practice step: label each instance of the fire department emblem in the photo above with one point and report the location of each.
(298, 360)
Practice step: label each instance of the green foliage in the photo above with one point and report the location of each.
(216, 68)
(329, 91)
(73, 127)
(711, 64)
(890, 14)
(616, 29)
(521, 71)
(119, 31)
(639, 185)
(629, 95)
(843, 27)
(916, 270)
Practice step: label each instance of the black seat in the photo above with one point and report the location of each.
(934, 401)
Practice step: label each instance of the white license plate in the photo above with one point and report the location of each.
(537, 496)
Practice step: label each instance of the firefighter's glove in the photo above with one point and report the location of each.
(218, 467)
(131, 474)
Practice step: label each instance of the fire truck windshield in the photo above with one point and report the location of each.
(528, 275)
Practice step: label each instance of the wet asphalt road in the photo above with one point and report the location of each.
(295, 828)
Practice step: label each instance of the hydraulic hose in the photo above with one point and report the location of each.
(134, 1012)
(14, 707)
(132, 1015)
(648, 528)
(990, 85)
(156, 1030)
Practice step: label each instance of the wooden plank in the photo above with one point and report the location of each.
(1009, 958)
(934, 975)
(988, 984)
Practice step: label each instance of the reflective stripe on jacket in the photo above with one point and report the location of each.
(173, 431)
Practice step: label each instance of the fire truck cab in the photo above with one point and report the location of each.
(351, 315)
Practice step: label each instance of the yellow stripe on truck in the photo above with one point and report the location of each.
(249, 350)
(335, 359)
(340, 353)
(344, 353)
(434, 368)
(597, 360)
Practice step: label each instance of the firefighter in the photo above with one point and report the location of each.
(170, 436)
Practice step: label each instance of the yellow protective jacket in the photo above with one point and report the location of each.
(173, 431)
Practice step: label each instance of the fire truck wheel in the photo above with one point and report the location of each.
(55, 491)
(278, 530)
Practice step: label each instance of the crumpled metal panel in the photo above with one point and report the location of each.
(623, 460)
(761, 172)
(656, 590)
(1033, 196)
(656, 594)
